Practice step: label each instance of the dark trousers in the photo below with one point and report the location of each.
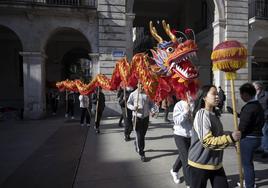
(199, 178)
(85, 113)
(97, 123)
(141, 129)
(54, 105)
(70, 108)
(127, 121)
(166, 113)
(121, 119)
(183, 145)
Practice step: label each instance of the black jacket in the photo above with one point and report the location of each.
(121, 97)
(101, 104)
(251, 119)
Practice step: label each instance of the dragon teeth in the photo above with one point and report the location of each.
(183, 72)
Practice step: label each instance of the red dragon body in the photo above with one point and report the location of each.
(168, 71)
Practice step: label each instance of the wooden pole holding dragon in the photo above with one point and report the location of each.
(125, 101)
(97, 103)
(229, 56)
(137, 107)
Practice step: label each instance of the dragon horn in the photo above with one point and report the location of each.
(154, 33)
(167, 30)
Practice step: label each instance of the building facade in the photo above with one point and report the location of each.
(43, 41)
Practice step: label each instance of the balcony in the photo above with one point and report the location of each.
(56, 3)
(258, 9)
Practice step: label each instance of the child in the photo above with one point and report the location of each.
(208, 141)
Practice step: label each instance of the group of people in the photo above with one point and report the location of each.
(199, 134)
(200, 138)
(86, 101)
(198, 131)
(85, 104)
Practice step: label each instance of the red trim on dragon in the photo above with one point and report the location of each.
(168, 72)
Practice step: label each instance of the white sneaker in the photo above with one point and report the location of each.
(72, 117)
(66, 115)
(88, 125)
(244, 184)
(82, 124)
(175, 176)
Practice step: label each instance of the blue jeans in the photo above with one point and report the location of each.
(264, 144)
(248, 146)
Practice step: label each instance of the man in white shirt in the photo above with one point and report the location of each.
(140, 105)
(85, 106)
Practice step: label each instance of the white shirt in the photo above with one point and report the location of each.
(182, 121)
(84, 101)
(144, 104)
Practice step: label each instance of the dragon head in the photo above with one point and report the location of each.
(172, 58)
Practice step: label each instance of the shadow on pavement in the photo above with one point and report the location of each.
(53, 164)
(168, 152)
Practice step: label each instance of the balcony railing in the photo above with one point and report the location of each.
(72, 3)
(258, 9)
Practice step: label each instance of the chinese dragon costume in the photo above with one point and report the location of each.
(167, 71)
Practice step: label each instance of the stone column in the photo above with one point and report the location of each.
(219, 35)
(237, 29)
(129, 35)
(34, 85)
(95, 67)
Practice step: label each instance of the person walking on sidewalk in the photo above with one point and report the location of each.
(182, 117)
(250, 125)
(70, 100)
(208, 141)
(126, 113)
(119, 93)
(262, 97)
(99, 101)
(85, 106)
(140, 104)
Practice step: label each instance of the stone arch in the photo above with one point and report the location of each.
(64, 49)
(60, 42)
(259, 61)
(54, 31)
(219, 9)
(11, 69)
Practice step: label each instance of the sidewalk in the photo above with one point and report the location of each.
(54, 153)
(109, 161)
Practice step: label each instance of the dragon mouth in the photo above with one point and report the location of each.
(184, 67)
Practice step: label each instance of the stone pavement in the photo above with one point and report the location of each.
(57, 153)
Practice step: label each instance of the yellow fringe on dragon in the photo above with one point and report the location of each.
(165, 72)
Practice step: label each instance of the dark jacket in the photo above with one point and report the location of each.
(101, 104)
(251, 119)
(122, 102)
(263, 99)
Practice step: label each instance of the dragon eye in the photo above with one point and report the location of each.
(170, 49)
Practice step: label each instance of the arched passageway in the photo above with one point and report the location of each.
(67, 57)
(63, 50)
(260, 62)
(11, 70)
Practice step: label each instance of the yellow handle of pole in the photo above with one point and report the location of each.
(135, 118)
(125, 101)
(97, 105)
(236, 128)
